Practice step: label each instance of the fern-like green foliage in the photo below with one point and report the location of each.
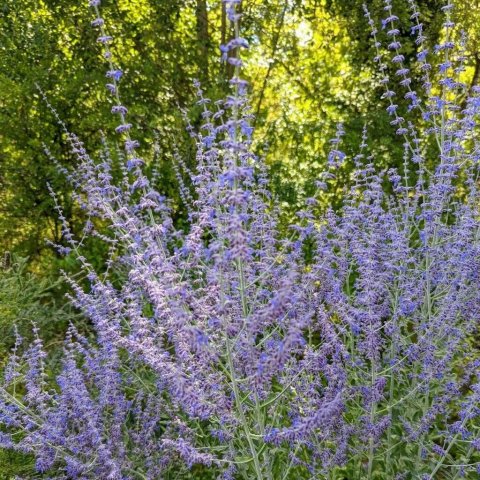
(26, 299)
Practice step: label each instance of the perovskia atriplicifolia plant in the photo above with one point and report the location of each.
(227, 352)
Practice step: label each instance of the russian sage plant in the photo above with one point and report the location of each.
(229, 352)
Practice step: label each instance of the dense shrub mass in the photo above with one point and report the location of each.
(25, 298)
(342, 350)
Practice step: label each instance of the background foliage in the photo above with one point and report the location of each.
(310, 65)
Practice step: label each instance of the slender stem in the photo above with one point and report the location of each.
(243, 420)
(372, 418)
(390, 398)
(469, 453)
(290, 465)
(138, 474)
(451, 444)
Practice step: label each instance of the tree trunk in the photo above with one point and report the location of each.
(203, 39)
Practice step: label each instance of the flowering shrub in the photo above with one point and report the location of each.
(229, 352)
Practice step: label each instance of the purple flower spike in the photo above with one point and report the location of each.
(104, 39)
(131, 145)
(133, 163)
(120, 109)
(115, 74)
(125, 127)
(98, 22)
(111, 88)
(236, 62)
